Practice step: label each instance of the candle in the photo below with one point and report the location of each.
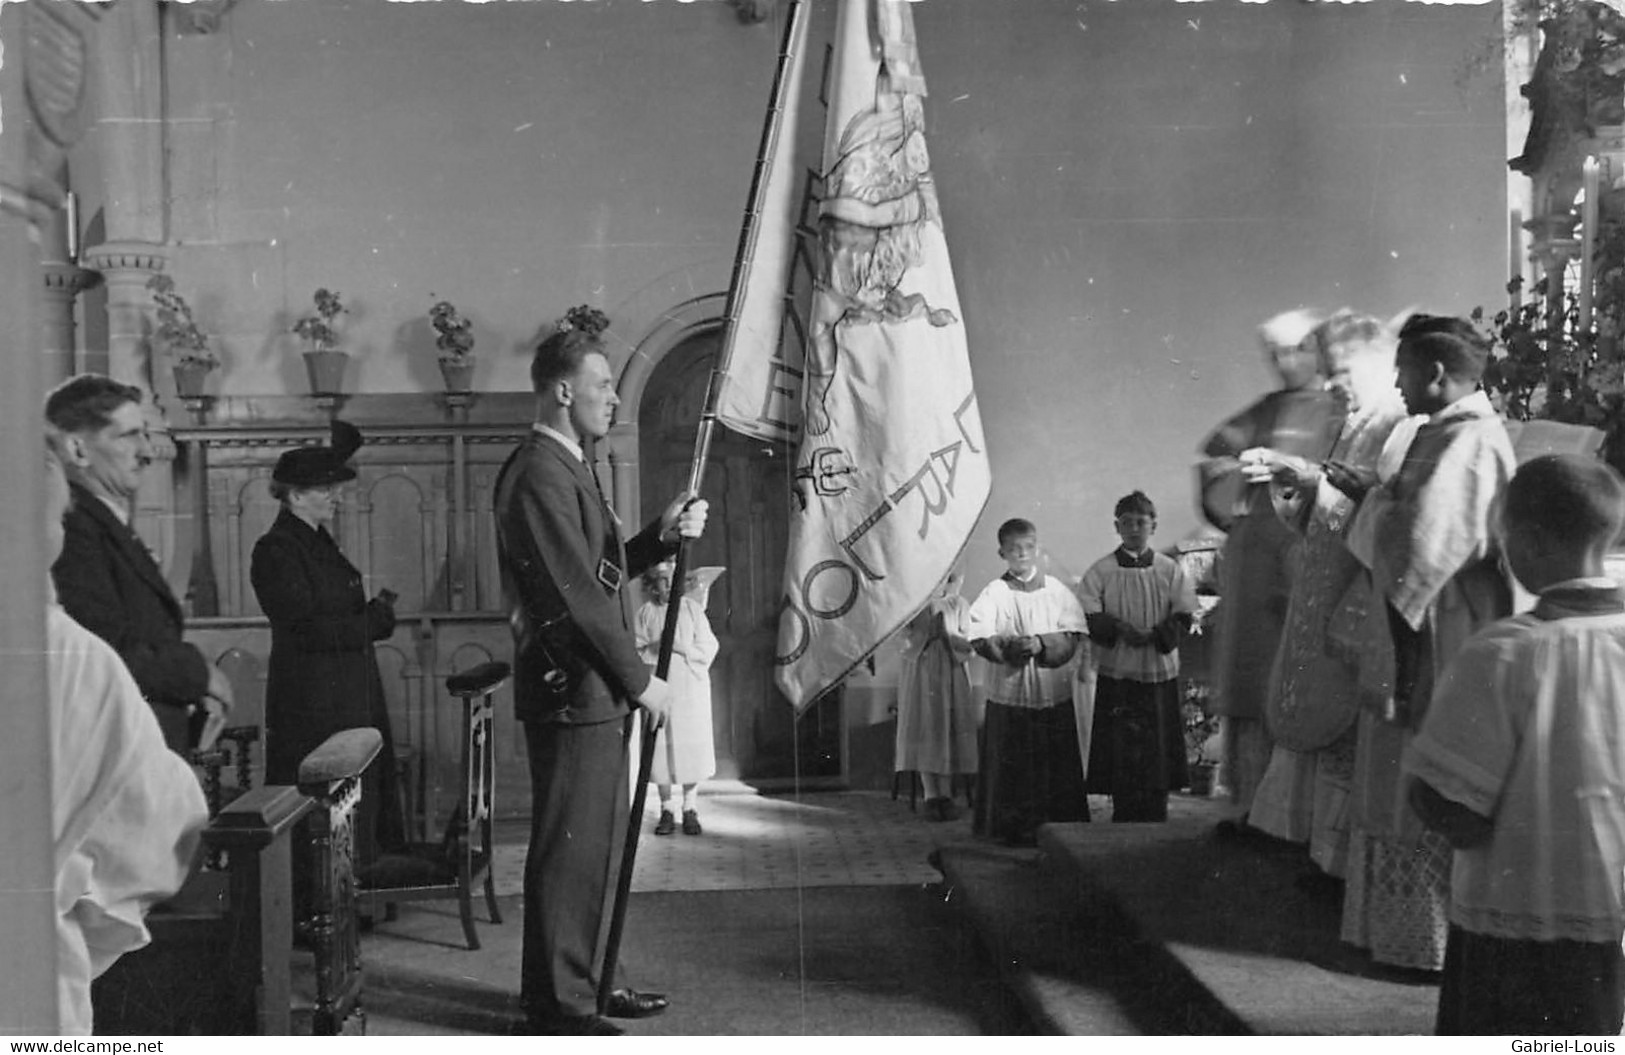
(73, 227)
(1515, 247)
(1588, 239)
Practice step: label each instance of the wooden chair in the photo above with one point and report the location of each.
(450, 868)
(232, 750)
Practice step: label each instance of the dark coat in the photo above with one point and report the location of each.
(559, 548)
(109, 582)
(322, 676)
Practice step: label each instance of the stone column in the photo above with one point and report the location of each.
(42, 88)
(64, 281)
(129, 128)
(1518, 64)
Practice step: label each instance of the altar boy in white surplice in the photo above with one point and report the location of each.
(1027, 625)
(1139, 605)
(1518, 766)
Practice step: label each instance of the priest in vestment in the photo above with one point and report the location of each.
(1300, 419)
(1428, 538)
(1315, 686)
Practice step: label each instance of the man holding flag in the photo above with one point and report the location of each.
(892, 472)
(577, 675)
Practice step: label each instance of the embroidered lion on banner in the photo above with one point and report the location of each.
(877, 196)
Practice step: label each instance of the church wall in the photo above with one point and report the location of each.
(1129, 188)
(515, 158)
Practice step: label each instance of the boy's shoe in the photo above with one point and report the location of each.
(667, 823)
(691, 823)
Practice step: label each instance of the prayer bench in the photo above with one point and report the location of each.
(220, 960)
(331, 776)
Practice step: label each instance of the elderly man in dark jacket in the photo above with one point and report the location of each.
(106, 578)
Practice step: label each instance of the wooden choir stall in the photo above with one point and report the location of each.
(418, 520)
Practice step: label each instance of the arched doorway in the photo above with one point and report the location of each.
(758, 737)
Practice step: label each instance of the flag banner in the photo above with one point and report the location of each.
(765, 334)
(892, 470)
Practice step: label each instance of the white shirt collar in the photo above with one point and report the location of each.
(570, 445)
(119, 509)
(1476, 404)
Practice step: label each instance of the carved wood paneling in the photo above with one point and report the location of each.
(417, 520)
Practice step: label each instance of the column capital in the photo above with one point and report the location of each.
(68, 280)
(126, 260)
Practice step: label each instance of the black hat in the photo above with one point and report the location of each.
(320, 466)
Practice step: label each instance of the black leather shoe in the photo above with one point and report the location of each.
(691, 823)
(666, 824)
(629, 1003)
(573, 1026)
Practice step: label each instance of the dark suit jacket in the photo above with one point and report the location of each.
(557, 543)
(108, 581)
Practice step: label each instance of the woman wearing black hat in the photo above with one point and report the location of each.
(323, 676)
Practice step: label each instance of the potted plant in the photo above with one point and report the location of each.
(1200, 731)
(178, 337)
(324, 362)
(1544, 366)
(454, 337)
(584, 317)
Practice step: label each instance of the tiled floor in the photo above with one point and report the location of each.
(755, 841)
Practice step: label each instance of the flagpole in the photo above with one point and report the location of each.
(743, 260)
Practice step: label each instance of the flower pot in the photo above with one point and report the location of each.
(1201, 778)
(458, 374)
(189, 379)
(326, 370)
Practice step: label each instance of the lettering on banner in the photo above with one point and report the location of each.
(843, 603)
(959, 420)
(783, 385)
(849, 544)
(803, 637)
(817, 594)
(949, 458)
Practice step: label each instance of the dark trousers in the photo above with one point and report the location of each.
(1031, 771)
(578, 781)
(1137, 750)
(1502, 987)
